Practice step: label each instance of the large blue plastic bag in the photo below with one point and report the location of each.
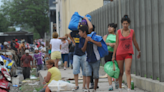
(112, 69)
(103, 50)
(73, 25)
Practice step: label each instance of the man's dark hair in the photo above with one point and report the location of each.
(126, 18)
(84, 28)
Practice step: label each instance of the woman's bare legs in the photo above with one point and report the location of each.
(65, 64)
(110, 80)
(121, 67)
(56, 63)
(128, 63)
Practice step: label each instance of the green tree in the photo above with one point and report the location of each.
(4, 23)
(34, 13)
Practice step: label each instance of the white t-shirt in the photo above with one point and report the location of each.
(55, 44)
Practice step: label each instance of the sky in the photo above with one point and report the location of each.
(17, 28)
(0, 2)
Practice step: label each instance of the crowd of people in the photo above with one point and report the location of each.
(22, 50)
(39, 57)
(78, 50)
(86, 56)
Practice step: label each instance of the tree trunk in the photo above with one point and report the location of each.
(41, 33)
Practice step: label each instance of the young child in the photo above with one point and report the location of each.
(93, 56)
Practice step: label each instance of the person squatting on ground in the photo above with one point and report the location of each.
(25, 61)
(53, 74)
(124, 50)
(55, 45)
(109, 39)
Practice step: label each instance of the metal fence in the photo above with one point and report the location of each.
(147, 20)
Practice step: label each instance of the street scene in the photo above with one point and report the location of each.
(81, 46)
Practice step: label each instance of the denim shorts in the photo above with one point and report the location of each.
(78, 61)
(92, 67)
(65, 57)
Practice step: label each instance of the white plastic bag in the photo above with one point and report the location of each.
(57, 86)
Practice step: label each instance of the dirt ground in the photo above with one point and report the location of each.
(28, 85)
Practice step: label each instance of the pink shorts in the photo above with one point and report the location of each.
(124, 56)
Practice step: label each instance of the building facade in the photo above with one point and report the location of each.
(66, 8)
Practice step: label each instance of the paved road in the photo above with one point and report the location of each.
(103, 82)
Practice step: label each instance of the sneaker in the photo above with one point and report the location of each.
(92, 87)
(87, 90)
(76, 88)
(84, 89)
(111, 88)
(116, 85)
(120, 89)
(64, 68)
(129, 89)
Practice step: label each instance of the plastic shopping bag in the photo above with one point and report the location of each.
(73, 25)
(57, 86)
(103, 50)
(112, 69)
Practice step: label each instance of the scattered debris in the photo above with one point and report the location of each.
(33, 77)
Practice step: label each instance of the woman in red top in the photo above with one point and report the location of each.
(124, 50)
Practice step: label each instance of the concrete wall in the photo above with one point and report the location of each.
(147, 20)
(68, 7)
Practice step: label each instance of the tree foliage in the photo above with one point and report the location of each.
(34, 13)
(4, 23)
